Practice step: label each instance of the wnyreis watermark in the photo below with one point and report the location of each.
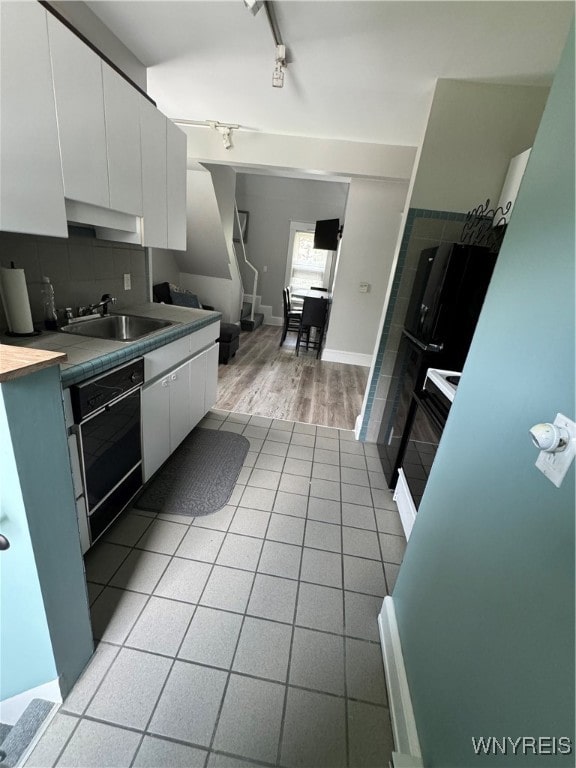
(522, 745)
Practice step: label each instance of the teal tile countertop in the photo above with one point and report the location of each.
(89, 357)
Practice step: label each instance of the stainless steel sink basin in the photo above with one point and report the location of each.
(116, 327)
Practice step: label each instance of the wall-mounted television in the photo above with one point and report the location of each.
(326, 234)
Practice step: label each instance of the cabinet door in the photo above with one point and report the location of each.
(180, 418)
(197, 387)
(154, 206)
(122, 120)
(176, 158)
(211, 391)
(79, 96)
(31, 190)
(155, 426)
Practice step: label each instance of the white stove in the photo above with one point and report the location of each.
(446, 381)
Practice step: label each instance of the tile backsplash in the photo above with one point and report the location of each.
(81, 268)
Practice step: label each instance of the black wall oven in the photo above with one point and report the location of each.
(429, 409)
(107, 417)
(423, 438)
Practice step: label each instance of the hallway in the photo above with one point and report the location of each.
(264, 379)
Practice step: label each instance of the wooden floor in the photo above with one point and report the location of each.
(264, 379)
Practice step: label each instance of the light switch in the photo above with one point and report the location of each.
(364, 287)
(554, 464)
(127, 281)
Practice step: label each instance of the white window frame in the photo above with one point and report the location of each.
(305, 226)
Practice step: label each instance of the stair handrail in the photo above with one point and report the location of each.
(251, 266)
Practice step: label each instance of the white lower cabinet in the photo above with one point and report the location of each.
(174, 404)
(211, 391)
(155, 426)
(180, 402)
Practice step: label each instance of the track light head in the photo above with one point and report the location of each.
(253, 6)
(226, 137)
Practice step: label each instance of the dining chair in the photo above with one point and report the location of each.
(314, 316)
(292, 317)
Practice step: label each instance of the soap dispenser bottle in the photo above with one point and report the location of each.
(50, 317)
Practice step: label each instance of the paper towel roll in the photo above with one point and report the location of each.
(15, 299)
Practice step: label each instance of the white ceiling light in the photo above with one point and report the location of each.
(279, 67)
(280, 62)
(226, 132)
(253, 6)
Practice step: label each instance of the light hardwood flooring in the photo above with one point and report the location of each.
(264, 379)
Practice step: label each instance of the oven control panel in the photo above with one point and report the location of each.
(89, 396)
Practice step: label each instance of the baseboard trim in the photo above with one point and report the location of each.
(401, 712)
(349, 358)
(269, 318)
(12, 708)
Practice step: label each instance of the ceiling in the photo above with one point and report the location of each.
(361, 71)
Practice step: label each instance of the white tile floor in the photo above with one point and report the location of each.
(249, 636)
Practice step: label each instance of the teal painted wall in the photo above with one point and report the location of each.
(26, 658)
(485, 596)
(36, 422)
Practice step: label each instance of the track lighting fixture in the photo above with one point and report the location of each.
(280, 62)
(226, 137)
(279, 66)
(253, 6)
(225, 130)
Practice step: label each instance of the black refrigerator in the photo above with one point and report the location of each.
(448, 292)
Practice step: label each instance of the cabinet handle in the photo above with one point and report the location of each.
(173, 377)
(165, 383)
(4, 543)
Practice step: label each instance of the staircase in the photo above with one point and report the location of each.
(246, 322)
(15, 739)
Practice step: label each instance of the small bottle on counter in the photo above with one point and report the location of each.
(50, 317)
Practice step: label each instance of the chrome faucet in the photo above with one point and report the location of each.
(101, 305)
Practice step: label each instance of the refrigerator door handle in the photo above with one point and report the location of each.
(414, 340)
(421, 345)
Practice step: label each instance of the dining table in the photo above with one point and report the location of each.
(305, 293)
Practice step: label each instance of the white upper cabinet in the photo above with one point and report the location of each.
(31, 192)
(74, 134)
(176, 153)
(154, 206)
(122, 120)
(77, 72)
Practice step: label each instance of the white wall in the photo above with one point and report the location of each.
(165, 268)
(347, 158)
(367, 251)
(272, 203)
(473, 132)
(88, 24)
(208, 266)
(206, 249)
(224, 181)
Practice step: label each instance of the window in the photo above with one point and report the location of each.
(306, 266)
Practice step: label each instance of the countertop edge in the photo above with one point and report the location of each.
(103, 362)
(16, 362)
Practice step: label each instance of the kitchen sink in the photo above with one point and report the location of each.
(116, 327)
